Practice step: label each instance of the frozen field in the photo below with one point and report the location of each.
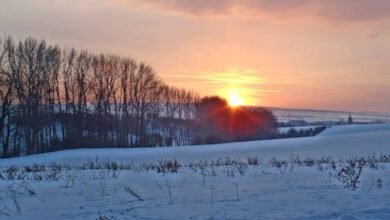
(275, 179)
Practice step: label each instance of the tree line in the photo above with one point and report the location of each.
(53, 98)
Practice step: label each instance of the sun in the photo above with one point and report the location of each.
(234, 99)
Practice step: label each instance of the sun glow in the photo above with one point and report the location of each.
(234, 99)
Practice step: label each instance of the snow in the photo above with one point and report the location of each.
(264, 192)
(355, 140)
(354, 129)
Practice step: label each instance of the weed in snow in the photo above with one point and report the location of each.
(236, 189)
(349, 174)
(133, 192)
(166, 189)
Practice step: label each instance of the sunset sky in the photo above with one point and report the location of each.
(315, 54)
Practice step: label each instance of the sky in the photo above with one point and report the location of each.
(310, 54)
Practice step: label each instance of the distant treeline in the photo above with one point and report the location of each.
(53, 98)
(295, 133)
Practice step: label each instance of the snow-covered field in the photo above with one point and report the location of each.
(212, 181)
(285, 115)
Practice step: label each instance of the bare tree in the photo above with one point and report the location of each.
(77, 85)
(144, 90)
(106, 73)
(6, 99)
(127, 72)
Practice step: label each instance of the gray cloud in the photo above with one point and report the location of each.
(197, 7)
(333, 10)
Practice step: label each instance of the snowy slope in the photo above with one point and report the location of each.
(263, 191)
(353, 129)
(336, 141)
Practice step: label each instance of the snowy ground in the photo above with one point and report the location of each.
(87, 186)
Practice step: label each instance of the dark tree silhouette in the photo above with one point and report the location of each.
(218, 122)
(53, 99)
